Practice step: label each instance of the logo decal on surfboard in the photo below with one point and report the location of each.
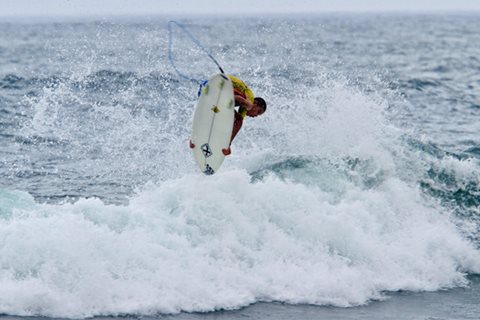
(208, 170)
(205, 89)
(207, 152)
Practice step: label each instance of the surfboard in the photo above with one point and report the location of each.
(213, 123)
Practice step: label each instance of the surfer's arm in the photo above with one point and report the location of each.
(238, 120)
(237, 125)
(241, 101)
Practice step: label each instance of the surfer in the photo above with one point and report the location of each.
(248, 104)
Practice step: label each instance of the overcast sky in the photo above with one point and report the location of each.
(154, 7)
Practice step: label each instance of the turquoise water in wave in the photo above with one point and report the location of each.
(354, 197)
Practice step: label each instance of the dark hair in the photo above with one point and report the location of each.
(261, 103)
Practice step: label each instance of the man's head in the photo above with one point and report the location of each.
(259, 107)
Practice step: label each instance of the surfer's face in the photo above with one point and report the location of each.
(255, 111)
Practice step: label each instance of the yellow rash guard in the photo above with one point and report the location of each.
(240, 88)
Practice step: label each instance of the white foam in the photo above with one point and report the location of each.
(198, 244)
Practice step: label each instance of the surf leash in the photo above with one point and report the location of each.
(195, 41)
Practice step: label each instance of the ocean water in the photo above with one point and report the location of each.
(356, 196)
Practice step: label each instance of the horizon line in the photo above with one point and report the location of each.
(232, 14)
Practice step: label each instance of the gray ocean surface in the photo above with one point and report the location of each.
(356, 195)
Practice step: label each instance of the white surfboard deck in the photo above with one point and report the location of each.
(213, 123)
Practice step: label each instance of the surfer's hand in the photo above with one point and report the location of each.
(227, 151)
(191, 145)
